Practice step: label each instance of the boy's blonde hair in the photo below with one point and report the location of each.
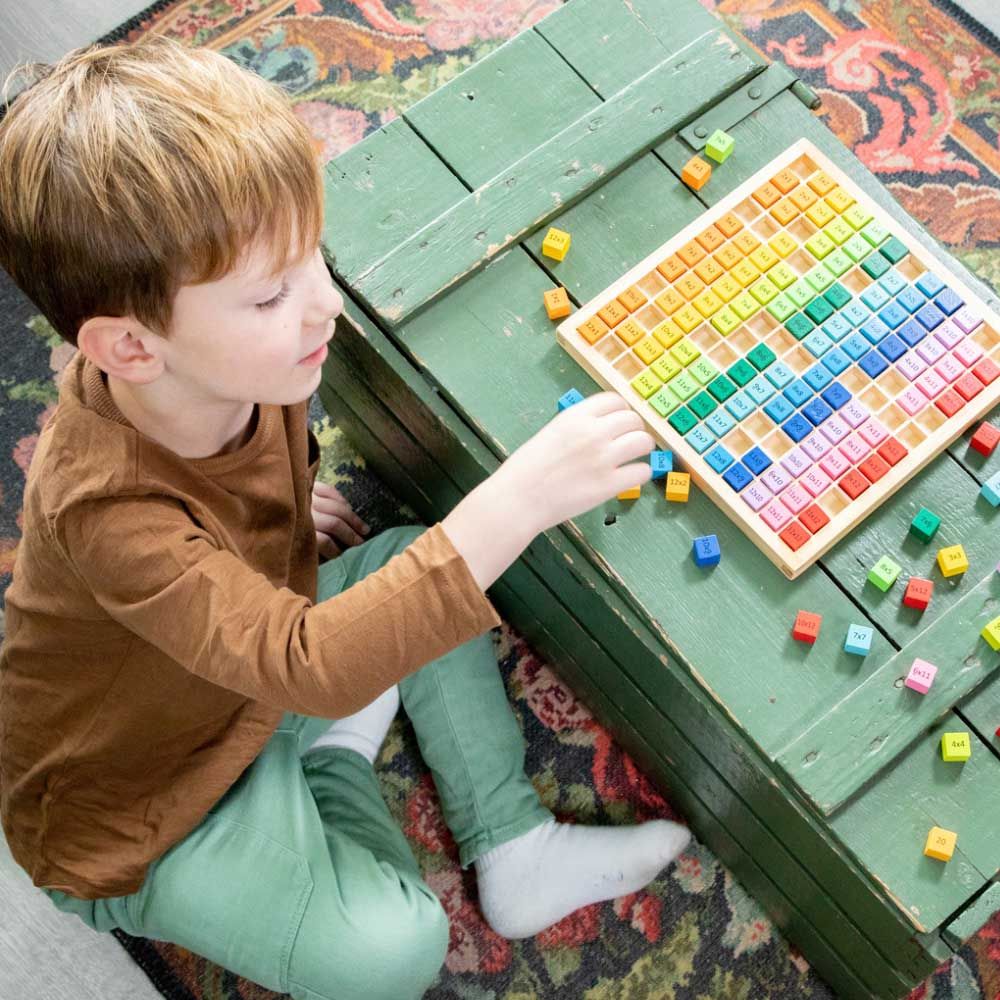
(127, 171)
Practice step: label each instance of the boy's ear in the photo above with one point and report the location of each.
(121, 346)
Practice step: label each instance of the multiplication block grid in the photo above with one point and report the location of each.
(799, 355)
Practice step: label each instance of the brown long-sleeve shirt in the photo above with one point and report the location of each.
(161, 619)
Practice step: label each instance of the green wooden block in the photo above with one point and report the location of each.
(725, 321)
(857, 247)
(761, 356)
(875, 266)
(800, 325)
(719, 146)
(838, 262)
(682, 420)
(782, 275)
(820, 245)
(745, 305)
(781, 308)
(763, 291)
(664, 401)
(894, 250)
(955, 747)
(925, 524)
(837, 295)
(820, 278)
(800, 293)
(742, 372)
(684, 386)
(722, 388)
(874, 232)
(838, 231)
(819, 310)
(857, 216)
(883, 574)
(703, 371)
(702, 405)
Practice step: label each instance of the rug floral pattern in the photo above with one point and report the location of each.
(916, 97)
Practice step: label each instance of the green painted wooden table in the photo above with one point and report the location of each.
(813, 774)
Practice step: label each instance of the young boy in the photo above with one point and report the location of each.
(190, 706)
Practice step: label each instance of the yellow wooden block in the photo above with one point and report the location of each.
(648, 350)
(708, 303)
(764, 257)
(785, 180)
(709, 269)
(822, 183)
(687, 317)
(991, 633)
(838, 199)
(725, 321)
(557, 303)
(669, 301)
(746, 241)
(956, 747)
(783, 244)
(556, 243)
(940, 844)
(745, 272)
(784, 211)
(728, 256)
(665, 367)
(696, 173)
(630, 494)
(727, 287)
(690, 286)
(803, 198)
(629, 332)
(678, 486)
(821, 214)
(671, 268)
(952, 560)
(667, 333)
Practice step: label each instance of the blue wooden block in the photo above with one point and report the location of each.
(737, 476)
(910, 299)
(911, 332)
(929, 283)
(661, 462)
(859, 640)
(719, 459)
(779, 375)
(893, 314)
(855, 346)
(930, 316)
(568, 399)
(797, 428)
(705, 551)
(893, 282)
(892, 347)
(779, 409)
(874, 329)
(797, 393)
(855, 313)
(949, 301)
(873, 364)
(837, 361)
(816, 412)
(818, 378)
(991, 489)
(836, 395)
(874, 297)
(756, 461)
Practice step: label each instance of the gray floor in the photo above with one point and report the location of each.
(985, 11)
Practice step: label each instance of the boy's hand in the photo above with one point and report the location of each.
(337, 526)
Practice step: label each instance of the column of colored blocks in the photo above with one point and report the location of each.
(991, 490)
(921, 676)
(696, 173)
(557, 303)
(985, 439)
(705, 550)
(719, 145)
(956, 747)
(883, 574)
(556, 243)
(918, 593)
(925, 524)
(807, 626)
(678, 486)
(661, 462)
(940, 844)
(859, 640)
(991, 632)
(952, 560)
(568, 399)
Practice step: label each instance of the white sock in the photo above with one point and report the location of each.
(365, 730)
(535, 880)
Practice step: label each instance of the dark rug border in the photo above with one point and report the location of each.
(161, 976)
(118, 34)
(974, 27)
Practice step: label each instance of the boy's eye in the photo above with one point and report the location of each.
(271, 303)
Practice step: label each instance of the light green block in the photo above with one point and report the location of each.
(838, 262)
(703, 370)
(782, 275)
(820, 278)
(781, 308)
(820, 245)
(875, 232)
(719, 146)
(725, 321)
(763, 291)
(883, 574)
(800, 293)
(664, 402)
(857, 247)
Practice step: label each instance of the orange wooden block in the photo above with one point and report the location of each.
(746, 241)
(689, 286)
(593, 329)
(784, 211)
(613, 313)
(711, 239)
(766, 195)
(691, 253)
(632, 298)
(696, 173)
(729, 224)
(557, 303)
(785, 180)
(822, 183)
(709, 269)
(729, 256)
(803, 198)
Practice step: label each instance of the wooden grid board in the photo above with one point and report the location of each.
(800, 359)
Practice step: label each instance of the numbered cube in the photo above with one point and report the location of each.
(921, 676)
(556, 243)
(940, 844)
(991, 489)
(696, 173)
(568, 399)
(661, 462)
(991, 633)
(556, 303)
(720, 144)
(952, 560)
(918, 593)
(806, 627)
(883, 574)
(925, 524)
(705, 551)
(956, 747)
(859, 640)
(632, 493)
(678, 486)
(985, 439)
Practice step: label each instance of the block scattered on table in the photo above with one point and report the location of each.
(859, 640)
(678, 486)
(799, 358)
(952, 560)
(991, 489)
(883, 574)
(706, 551)
(719, 145)
(921, 676)
(918, 593)
(568, 399)
(696, 173)
(661, 462)
(985, 439)
(925, 524)
(956, 747)
(632, 493)
(991, 633)
(557, 304)
(807, 626)
(556, 243)
(940, 844)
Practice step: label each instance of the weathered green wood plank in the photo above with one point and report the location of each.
(492, 115)
(967, 923)
(981, 710)
(555, 174)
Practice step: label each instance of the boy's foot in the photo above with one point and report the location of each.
(535, 880)
(365, 730)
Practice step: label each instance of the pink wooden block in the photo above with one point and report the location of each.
(968, 352)
(814, 445)
(776, 479)
(911, 365)
(965, 319)
(795, 498)
(930, 383)
(949, 369)
(815, 481)
(854, 413)
(775, 515)
(855, 448)
(834, 429)
(930, 350)
(874, 432)
(834, 465)
(756, 495)
(949, 334)
(921, 676)
(911, 400)
(796, 462)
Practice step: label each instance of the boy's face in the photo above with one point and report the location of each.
(252, 338)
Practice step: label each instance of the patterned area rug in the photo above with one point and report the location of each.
(914, 93)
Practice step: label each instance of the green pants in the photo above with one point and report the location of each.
(298, 879)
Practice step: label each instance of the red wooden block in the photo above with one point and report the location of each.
(918, 593)
(806, 628)
(949, 402)
(794, 536)
(873, 468)
(985, 439)
(892, 451)
(968, 386)
(853, 484)
(987, 371)
(814, 518)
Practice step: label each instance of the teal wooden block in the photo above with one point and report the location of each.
(925, 524)
(991, 489)
(859, 640)
(719, 146)
(883, 574)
